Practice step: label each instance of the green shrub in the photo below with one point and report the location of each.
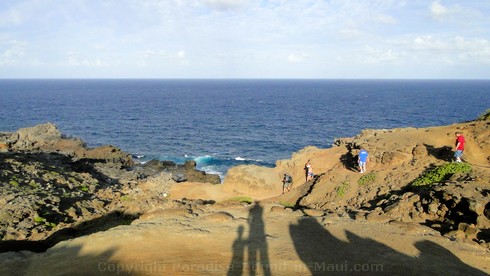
(39, 219)
(441, 173)
(367, 178)
(44, 221)
(83, 188)
(33, 184)
(14, 183)
(342, 188)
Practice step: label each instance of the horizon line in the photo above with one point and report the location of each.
(285, 79)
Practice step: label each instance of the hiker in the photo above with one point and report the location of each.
(363, 156)
(309, 171)
(287, 182)
(459, 146)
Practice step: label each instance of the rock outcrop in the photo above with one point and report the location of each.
(52, 183)
(396, 158)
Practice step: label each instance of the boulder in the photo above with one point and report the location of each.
(251, 180)
(35, 138)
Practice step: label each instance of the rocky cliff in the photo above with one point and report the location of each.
(457, 204)
(51, 183)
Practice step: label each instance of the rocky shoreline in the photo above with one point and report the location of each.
(68, 200)
(53, 187)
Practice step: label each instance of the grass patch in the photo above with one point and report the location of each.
(342, 188)
(441, 173)
(287, 204)
(245, 199)
(367, 178)
(44, 221)
(125, 198)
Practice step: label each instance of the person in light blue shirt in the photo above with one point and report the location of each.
(363, 157)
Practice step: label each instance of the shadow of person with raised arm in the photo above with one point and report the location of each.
(258, 258)
(323, 253)
(444, 153)
(236, 265)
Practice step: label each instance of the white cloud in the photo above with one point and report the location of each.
(153, 53)
(473, 50)
(439, 11)
(224, 4)
(428, 42)
(297, 58)
(12, 52)
(385, 19)
(73, 61)
(10, 17)
(350, 33)
(376, 56)
(446, 50)
(181, 54)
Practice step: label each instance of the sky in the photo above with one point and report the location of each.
(285, 39)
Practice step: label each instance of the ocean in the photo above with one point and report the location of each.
(223, 123)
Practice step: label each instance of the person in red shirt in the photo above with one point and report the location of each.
(459, 147)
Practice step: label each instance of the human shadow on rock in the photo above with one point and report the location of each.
(323, 253)
(255, 245)
(443, 153)
(349, 161)
(258, 257)
(238, 259)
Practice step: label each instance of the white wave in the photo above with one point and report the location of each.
(212, 170)
(203, 159)
(238, 158)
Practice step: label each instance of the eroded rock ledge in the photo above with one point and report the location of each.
(54, 187)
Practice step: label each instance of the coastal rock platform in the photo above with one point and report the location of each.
(342, 221)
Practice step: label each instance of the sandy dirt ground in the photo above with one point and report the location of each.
(256, 239)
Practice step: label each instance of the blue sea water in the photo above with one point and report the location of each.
(223, 123)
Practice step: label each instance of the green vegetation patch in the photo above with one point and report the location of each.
(125, 198)
(245, 199)
(33, 184)
(441, 173)
(366, 179)
(83, 188)
(342, 188)
(41, 220)
(14, 183)
(287, 204)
